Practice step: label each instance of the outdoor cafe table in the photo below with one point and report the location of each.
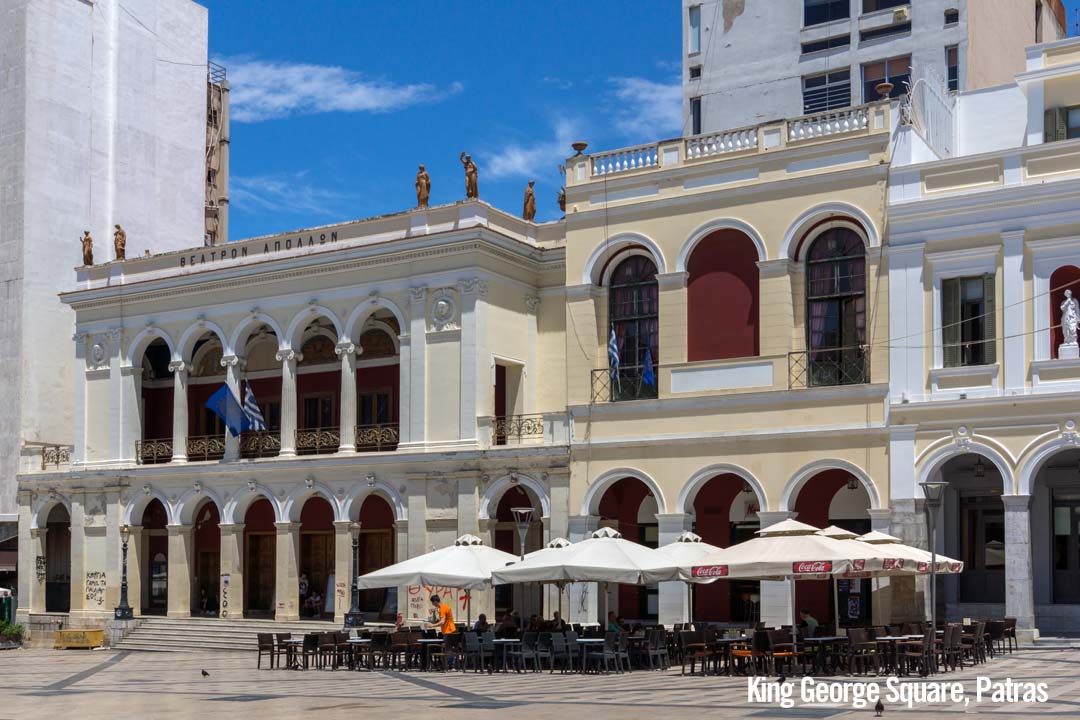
(290, 652)
(725, 644)
(585, 643)
(503, 645)
(820, 657)
(356, 642)
(428, 643)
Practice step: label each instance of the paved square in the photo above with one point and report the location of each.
(112, 684)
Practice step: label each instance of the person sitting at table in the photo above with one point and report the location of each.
(314, 603)
(534, 624)
(613, 624)
(482, 625)
(557, 623)
(808, 622)
(507, 626)
(445, 623)
(399, 621)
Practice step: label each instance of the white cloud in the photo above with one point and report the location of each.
(647, 110)
(264, 89)
(283, 192)
(533, 160)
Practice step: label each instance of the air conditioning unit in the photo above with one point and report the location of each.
(901, 14)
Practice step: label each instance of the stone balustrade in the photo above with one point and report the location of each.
(617, 161)
(833, 122)
(719, 143)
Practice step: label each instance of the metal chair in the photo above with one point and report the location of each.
(266, 645)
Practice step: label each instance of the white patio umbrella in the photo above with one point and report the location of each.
(467, 564)
(687, 549)
(791, 550)
(604, 557)
(921, 558)
(837, 533)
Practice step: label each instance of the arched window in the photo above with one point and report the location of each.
(722, 297)
(836, 308)
(633, 308)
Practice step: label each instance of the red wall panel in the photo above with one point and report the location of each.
(722, 297)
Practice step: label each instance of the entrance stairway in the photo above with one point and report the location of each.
(210, 634)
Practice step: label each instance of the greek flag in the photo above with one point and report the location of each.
(613, 357)
(648, 372)
(253, 417)
(223, 404)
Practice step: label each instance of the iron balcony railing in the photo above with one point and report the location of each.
(317, 441)
(377, 438)
(512, 429)
(626, 383)
(253, 444)
(829, 367)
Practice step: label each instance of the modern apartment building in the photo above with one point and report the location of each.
(759, 60)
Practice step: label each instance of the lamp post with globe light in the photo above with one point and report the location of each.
(123, 611)
(353, 617)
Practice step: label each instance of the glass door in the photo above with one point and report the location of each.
(1066, 550)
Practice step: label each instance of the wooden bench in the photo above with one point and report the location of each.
(86, 639)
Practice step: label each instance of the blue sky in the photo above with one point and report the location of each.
(335, 102)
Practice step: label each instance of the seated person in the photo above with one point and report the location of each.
(557, 624)
(482, 625)
(808, 622)
(506, 626)
(613, 624)
(534, 624)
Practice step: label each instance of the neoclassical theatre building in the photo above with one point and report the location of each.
(422, 373)
(811, 316)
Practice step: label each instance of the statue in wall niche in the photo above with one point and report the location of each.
(472, 187)
(423, 187)
(1070, 318)
(120, 242)
(529, 211)
(87, 248)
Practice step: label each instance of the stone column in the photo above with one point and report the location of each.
(180, 410)
(880, 520)
(776, 318)
(37, 572)
(233, 365)
(288, 359)
(231, 601)
(131, 417)
(1019, 587)
(401, 552)
(881, 588)
(78, 556)
(672, 316)
(583, 597)
(343, 569)
(1013, 307)
(135, 559)
(673, 595)
(775, 594)
(181, 554)
(286, 574)
(404, 398)
(347, 420)
(416, 416)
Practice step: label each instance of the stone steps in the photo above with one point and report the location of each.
(209, 634)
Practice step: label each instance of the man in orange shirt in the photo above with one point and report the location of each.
(445, 622)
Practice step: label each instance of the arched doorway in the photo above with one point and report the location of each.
(835, 497)
(376, 552)
(1055, 535)
(972, 528)
(155, 569)
(260, 557)
(317, 559)
(629, 507)
(725, 513)
(526, 599)
(206, 538)
(58, 560)
(722, 297)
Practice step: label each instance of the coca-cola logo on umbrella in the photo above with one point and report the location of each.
(710, 571)
(893, 564)
(955, 567)
(858, 565)
(923, 567)
(815, 566)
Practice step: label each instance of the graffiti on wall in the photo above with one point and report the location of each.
(95, 587)
(420, 600)
(40, 568)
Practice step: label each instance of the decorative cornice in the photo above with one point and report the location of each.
(532, 303)
(474, 286)
(417, 294)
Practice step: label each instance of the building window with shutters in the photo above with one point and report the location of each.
(967, 317)
(827, 92)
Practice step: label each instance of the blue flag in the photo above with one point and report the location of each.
(648, 372)
(225, 405)
(613, 358)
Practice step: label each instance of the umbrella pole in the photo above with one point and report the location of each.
(468, 608)
(836, 602)
(794, 618)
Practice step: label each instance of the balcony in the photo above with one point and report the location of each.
(626, 383)
(828, 368)
(318, 441)
(867, 119)
(253, 444)
(516, 429)
(377, 438)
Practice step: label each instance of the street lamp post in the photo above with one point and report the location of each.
(353, 617)
(123, 611)
(933, 492)
(522, 519)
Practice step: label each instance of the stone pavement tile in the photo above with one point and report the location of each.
(43, 683)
